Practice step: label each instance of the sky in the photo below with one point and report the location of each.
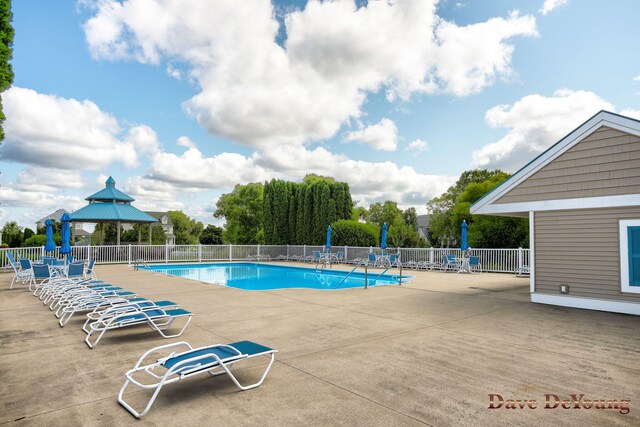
(180, 100)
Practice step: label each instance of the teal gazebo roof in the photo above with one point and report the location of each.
(110, 205)
(103, 212)
(110, 193)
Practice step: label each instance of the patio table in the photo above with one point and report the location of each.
(463, 265)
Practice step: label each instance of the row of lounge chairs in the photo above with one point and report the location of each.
(448, 263)
(108, 307)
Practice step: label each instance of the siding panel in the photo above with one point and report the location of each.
(581, 248)
(606, 163)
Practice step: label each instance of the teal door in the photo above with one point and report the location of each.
(634, 255)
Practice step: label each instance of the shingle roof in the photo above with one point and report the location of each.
(110, 192)
(103, 211)
(159, 215)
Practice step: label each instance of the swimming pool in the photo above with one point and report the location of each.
(251, 276)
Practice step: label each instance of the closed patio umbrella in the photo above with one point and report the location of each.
(65, 248)
(383, 238)
(49, 244)
(328, 245)
(464, 245)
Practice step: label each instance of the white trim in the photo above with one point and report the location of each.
(587, 303)
(532, 253)
(603, 118)
(624, 255)
(561, 204)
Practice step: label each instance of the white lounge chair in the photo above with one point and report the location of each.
(214, 360)
(157, 319)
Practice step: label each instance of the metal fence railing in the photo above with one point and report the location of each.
(493, 260)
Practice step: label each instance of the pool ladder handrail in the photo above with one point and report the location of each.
(138, 263)
(399, 265)
(366, 273)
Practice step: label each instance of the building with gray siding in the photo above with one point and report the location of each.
(582, 198)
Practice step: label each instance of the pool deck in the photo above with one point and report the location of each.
(425, 353)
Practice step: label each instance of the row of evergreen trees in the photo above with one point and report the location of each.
(299, 213)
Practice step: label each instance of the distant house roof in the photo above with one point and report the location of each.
(110, 193)
(423, 221)
(55, 216)
(159, 215)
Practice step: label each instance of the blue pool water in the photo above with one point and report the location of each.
(253, 276)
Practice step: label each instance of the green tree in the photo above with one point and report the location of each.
(242, 209)
(158, 235)
(354, 233)
(35, 241)
(388, 212)
(6, 53)
(443, 229)
(487, 231)
(186, 230)
(28, 233)
(410, 217)
(359, 213)
(211, 235)
(12, 234)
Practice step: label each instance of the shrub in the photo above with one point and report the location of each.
(354, 233)
(35, 240)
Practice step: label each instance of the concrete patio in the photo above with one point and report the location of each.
(426, 353)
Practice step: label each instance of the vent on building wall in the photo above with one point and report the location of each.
(564, 289)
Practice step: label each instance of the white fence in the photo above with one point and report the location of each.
(494, 260)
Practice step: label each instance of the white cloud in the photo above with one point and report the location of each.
(51, 131)
(535, 122)
(184, 141)
(153, 195)
(174, 72)
(369, 181)
(143, 139)
(472, 57)
(381, 136)
(417, 146)
(42, 200)
(550, 5)
(47, 180)
(258, 93)
(637, 78)
(635, 114)
(192, 170)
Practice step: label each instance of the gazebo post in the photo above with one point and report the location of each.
(150, 233)
(73, 233)
(118, 233)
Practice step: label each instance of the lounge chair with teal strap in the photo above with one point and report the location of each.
(19, 274)
(214, 360)
(99, 303)
(116, 318)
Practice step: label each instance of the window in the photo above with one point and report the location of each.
(630, 255)
(164, 219)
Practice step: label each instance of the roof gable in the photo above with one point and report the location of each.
(489, 203)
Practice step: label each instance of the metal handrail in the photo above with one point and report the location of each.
(139, 262)
(362, 262)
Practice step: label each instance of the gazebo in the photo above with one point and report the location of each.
(112, 205)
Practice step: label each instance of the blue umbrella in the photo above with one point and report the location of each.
(65, 248)
(328, 245)
(49, 244)
(464, 245)
(383, 239)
